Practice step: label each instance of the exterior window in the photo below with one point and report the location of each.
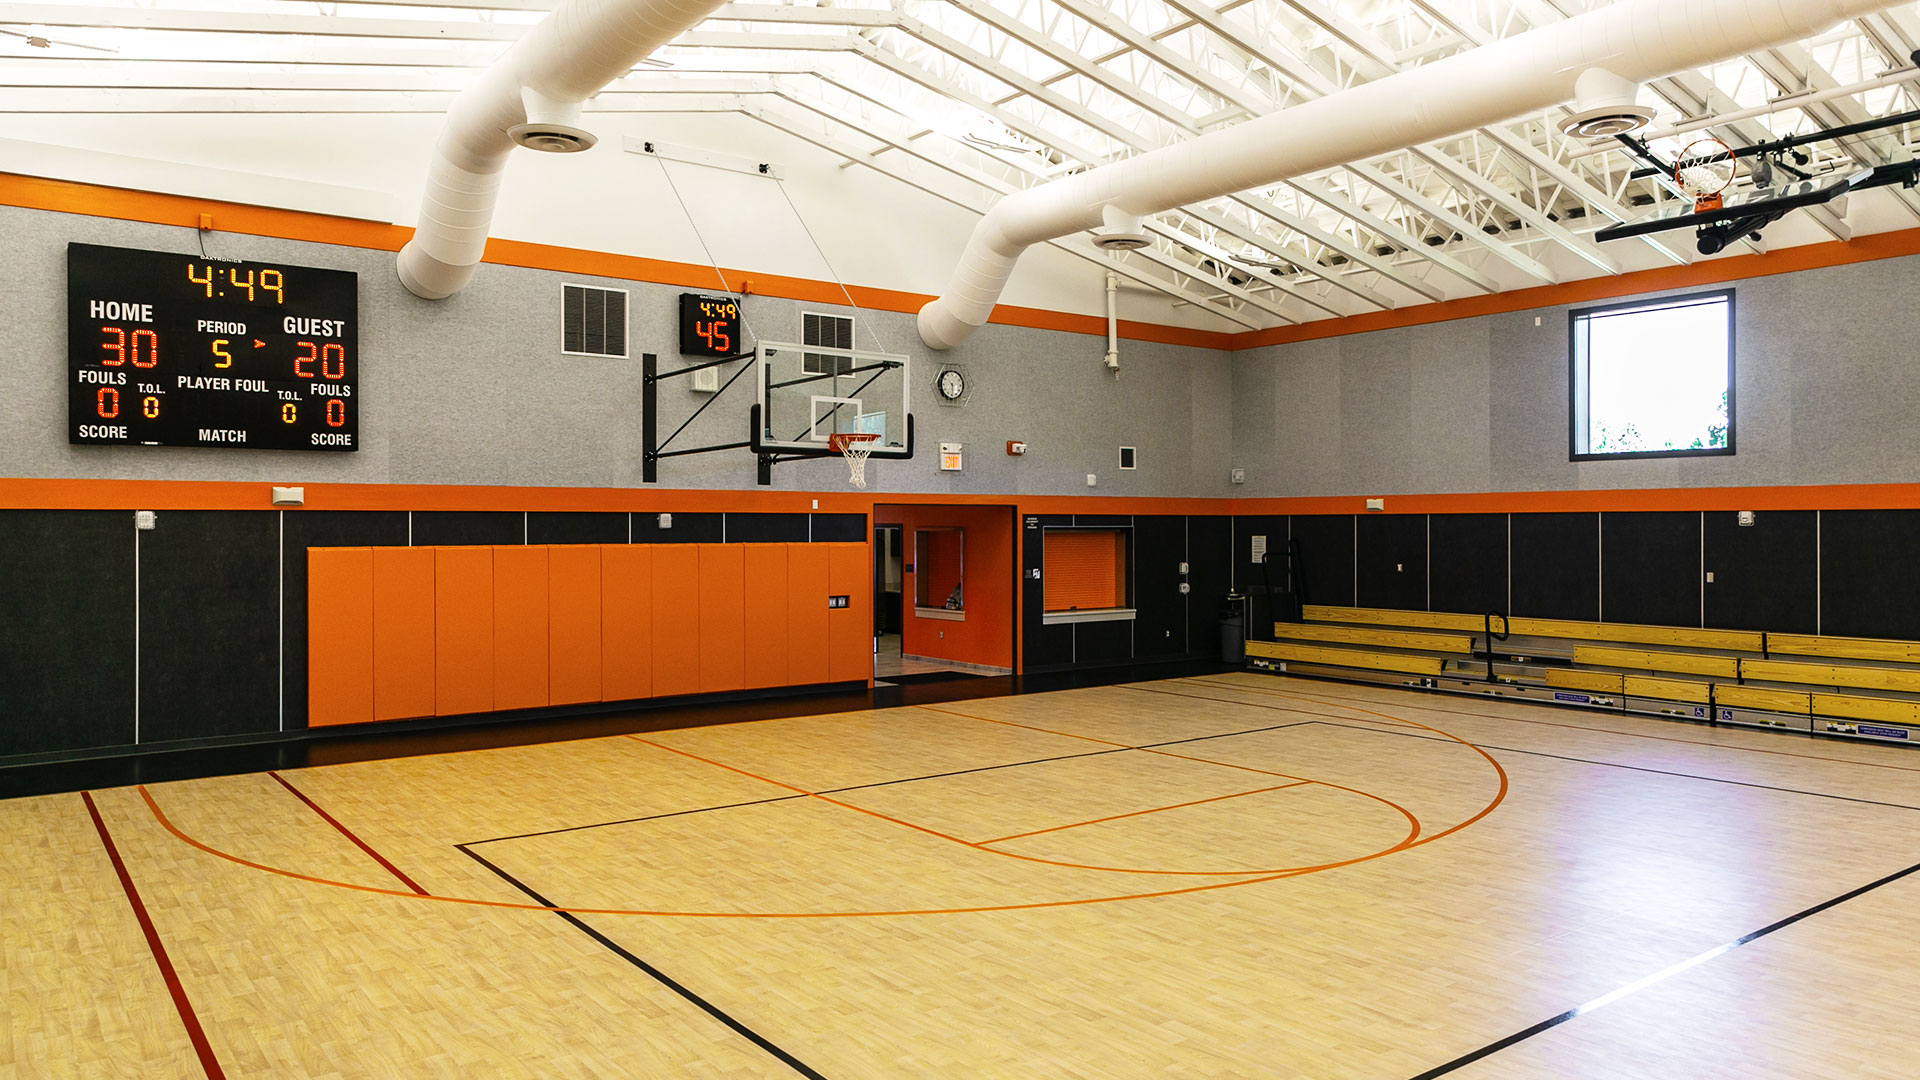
(1653, 378)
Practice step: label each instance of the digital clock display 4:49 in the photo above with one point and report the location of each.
(183, 350)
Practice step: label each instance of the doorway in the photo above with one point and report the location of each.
(943, 592)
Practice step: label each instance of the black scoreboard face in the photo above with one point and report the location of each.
(709, 325)
(182, 350)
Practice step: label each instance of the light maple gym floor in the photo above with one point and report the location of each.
(1220, 876)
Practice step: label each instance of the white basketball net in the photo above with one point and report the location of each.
(857, 451)
(1709, 170)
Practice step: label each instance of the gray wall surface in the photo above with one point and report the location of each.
(474, 390)
(1826, 386)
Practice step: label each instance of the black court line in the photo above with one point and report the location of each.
(628, 821)
(1618, 765)
(1657, 977)
(1352, 723)
(655, 973)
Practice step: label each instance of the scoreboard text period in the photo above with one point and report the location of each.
(184, 350)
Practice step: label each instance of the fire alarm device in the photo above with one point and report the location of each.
(1015, 447)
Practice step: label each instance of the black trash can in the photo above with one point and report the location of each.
(1233, 629)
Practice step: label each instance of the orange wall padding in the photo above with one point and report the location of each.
(850, 628)
(766, 631)
(807, 592)
(626, 621)
(676, 620)
(463, 630)
(403, 632)
(723, 618)
(398, 633)
(520, 599)
(573, 623)
(339, 636)
(986, 637)
(1085, 569)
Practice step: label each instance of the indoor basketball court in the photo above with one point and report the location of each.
(885, 539)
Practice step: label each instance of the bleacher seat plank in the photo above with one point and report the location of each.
(1859, 707)
(1761, 697)
(1845, 648)
(1866, 678)
(1428, 620)
(1355, 658)
(1605, 682)
(1629, 633)
(1668, 689)
(1649, 660)
(1361, 635)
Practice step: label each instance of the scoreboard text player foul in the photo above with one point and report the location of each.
(185, 350)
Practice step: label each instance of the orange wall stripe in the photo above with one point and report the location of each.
(1886, 245)
(69, 197)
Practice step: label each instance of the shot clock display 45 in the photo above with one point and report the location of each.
(183, 350)
(710, 326)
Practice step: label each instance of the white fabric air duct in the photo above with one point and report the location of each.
(1635, 40)
(531, 95)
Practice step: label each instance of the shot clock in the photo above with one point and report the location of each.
(710, 326)
(183, 350)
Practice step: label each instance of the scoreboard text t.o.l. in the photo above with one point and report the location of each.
(183, 350)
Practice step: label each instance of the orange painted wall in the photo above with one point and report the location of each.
(463, 630)
(403, 632)
(987, 635)
(339, 636)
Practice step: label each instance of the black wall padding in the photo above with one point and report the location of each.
(843, 528)
(1160, 621)
(66, 629)
(1763, 574)
(1043, 646)
(686, 529)
(766, 528)
(1650, 568)
(1249, 576)
(456, 528)
(321, 528)
(1468, 557)
(1102, 642)
(1326, 552)
(574, 527)
(1209, 555)
(1392, 561)
(1870, 573)
(209, 635)
(1556, 566)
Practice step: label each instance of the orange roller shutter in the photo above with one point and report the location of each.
(573, 623)
(626, 622)
(520, 627)
(676, 619)
(339, 636)
(807, 651)
(403, 633)
(463, 630)
(1084, 569)
(766, 625)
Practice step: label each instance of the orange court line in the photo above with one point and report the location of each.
(1138, 813)
(1411, 836)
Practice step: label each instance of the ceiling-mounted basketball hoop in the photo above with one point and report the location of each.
(1702, 171)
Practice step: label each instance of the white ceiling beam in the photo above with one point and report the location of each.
(242, 22)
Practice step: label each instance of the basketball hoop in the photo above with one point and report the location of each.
(1702, 172)
(855, 446)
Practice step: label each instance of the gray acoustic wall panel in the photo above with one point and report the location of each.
(474, 389)
(1824, 391)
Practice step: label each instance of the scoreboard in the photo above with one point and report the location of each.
(709, 325)
(182, 350)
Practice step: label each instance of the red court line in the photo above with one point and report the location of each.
(348, 833)
(195, 1033)
(1138, 813)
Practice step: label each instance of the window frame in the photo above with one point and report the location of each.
(1574, 317)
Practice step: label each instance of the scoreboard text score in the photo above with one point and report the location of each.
(183, 350)
(709, 325)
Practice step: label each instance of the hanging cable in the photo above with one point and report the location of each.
(697, 235)
(871, 331)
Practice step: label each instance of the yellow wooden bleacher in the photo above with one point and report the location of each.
(1845, 648)
(1649, 660)
(1353, 658)
(1632, 633)
(1360, 635)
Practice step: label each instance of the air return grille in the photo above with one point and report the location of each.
(593, 322)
